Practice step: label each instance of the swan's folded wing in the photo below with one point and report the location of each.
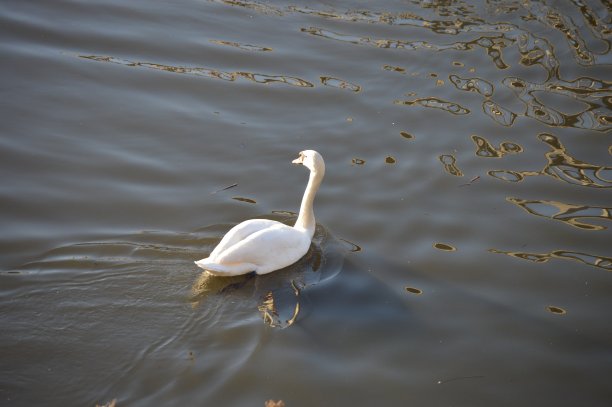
(272, 248)
(240, 232)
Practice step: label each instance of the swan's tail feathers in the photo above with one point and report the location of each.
(229, 269)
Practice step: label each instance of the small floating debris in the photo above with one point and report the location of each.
(224, 188)
(407, 135)
(470, 182)
(413, 290)
(242, 199)
(556, 310)
(445, 247)
(457, 63)
(357, 161)
(390, 160)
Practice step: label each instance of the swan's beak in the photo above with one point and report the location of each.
(299, 160)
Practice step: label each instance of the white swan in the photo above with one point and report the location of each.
(263, 245)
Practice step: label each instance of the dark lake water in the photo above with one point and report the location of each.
(463, 252)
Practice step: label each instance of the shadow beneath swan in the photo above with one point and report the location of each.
(281, 295)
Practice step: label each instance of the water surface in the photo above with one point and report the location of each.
(463, 250)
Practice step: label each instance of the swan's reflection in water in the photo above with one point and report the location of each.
(278, 294)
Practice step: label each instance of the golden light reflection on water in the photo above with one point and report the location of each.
(413, 290)
(593, 93)
(492, 45)
(394, 68)
(505, 45)
(494, 38)
(445, 247)
(270, 314)
(339, 83)
(592, 260)
(485, 149)
(485, 88)
(563, 167)
(243, 199)
(436, 103)
(498, 113)
(533, 50)
(449, 165)
(573, 215)
(209, 285)
(205, 72)
(246, 47)
(556, 310)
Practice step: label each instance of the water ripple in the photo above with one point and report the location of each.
(595, 94)
(479, 85)
(570, 214)
(552, 18)
(436, 103)
(449, 162)
(562, 167)
(498, 113)
(589, 259)
(493, 44)
(246, 47)
(485, 149)
(205, 72)
(339, 83)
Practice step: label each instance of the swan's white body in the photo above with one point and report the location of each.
(263, 245)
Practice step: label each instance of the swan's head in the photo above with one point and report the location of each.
(311, 160)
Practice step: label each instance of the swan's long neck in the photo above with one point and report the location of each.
(306, 219)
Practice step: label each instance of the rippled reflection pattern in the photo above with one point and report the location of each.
(158, 110)
(573, 215)
(486, 149)
(595, 94)
(562, 167)
(498, 113)
(246, 47)
(592, 260)
(339, 83)
(435, 103)
(449, 162)
(206, 72)
(485, 88)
